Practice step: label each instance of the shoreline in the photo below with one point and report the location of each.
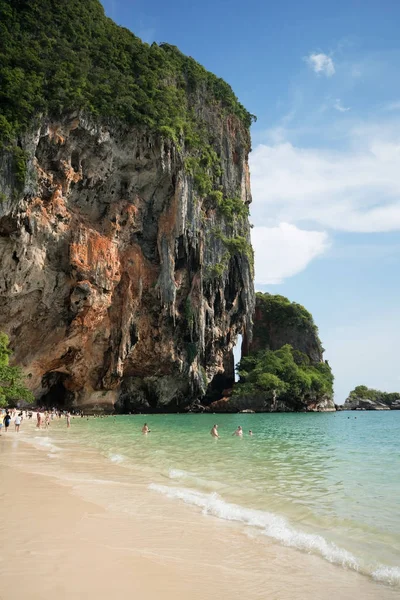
(103, 413)
(75, 536)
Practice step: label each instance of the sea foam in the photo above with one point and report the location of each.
(271, 524)
(276, 527)
(45, 443)
(116, 458)
(179, 474)
(386, 574)
(188, 478)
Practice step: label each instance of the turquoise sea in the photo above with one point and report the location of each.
(323, 483)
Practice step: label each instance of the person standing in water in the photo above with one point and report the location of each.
(238, 432)
(38, 420)
(145, 429)
(6, 421)
(17, 422)
(68, 417)
(214, 431)
(250, 432)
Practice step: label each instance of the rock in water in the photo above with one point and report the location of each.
(125, 257)
(364, 398)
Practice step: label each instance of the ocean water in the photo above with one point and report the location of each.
(324, 483)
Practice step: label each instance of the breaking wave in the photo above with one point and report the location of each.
(45, 443)
(385, 574)
(276, 527)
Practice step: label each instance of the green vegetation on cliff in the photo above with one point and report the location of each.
(12, 387)
(362, 392)
(282, 367)
(66, 57)
(283, 313)
(63, 56)
(286, 372)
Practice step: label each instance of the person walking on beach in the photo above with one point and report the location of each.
(145, 429)
(68, 417)
(238, 432)
(17, 422)
(214, 431)
(6, 421)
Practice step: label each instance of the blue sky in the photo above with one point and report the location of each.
(322, 79)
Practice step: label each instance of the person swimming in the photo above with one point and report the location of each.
(214, 431)
(239, 431)
(145, 429)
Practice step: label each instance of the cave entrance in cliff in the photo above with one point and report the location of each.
(56, 394)
(222, 383)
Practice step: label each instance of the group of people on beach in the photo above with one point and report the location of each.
(5, 419)
(43, 419)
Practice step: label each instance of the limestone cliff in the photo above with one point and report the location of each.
(282, 368)
(125, 262)
(364, 398)
(277, 322)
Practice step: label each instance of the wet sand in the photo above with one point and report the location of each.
(64, 535)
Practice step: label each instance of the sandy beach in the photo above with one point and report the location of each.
(65, 535)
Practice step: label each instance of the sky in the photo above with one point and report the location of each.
(323, 80)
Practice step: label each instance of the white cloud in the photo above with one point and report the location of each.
(284, 250)
(321, 64)
(354, 189)
(339, 106)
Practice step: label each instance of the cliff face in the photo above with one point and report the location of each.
(277, 322)
(125, 257)
(121, 284)
(282, 368)
(364, 404)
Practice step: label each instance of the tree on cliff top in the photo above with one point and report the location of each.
(12, 387)
(282, 311)
(66, 56)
